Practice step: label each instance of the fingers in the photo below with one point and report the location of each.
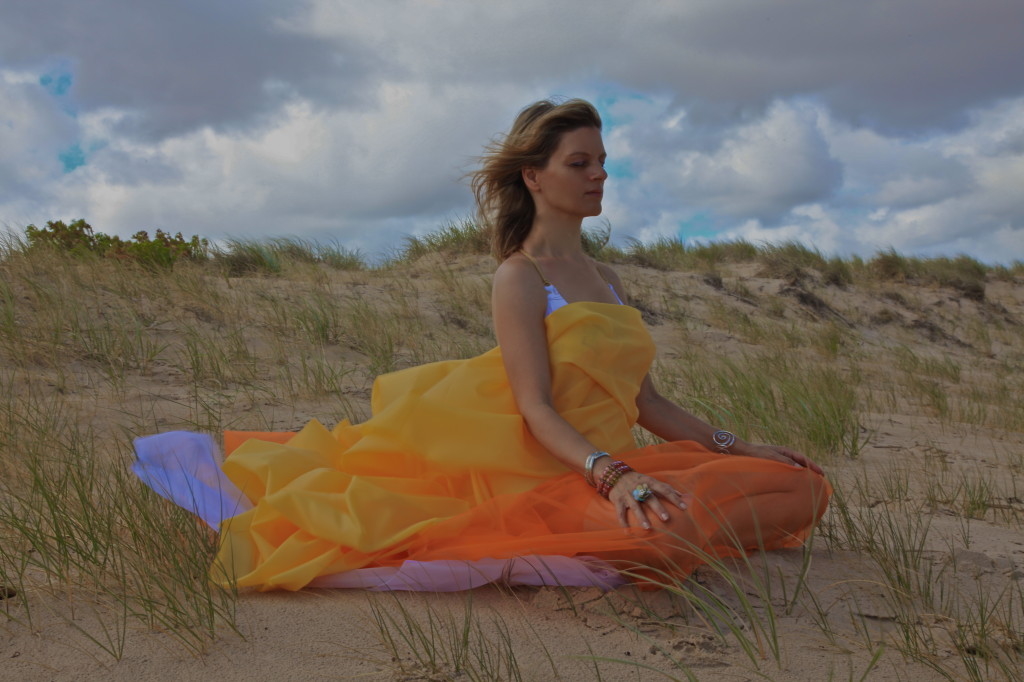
(632, 506)
(669, 494)
(655, 505)
(799, 459)
(625, 503)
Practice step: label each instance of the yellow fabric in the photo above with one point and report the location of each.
(444, 437)
(447, 469)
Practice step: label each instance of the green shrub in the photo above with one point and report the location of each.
(78, 238)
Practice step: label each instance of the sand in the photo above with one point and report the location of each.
(855, 628)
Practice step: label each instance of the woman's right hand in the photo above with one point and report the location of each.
(621, 496)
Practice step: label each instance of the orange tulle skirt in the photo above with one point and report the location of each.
(446, 470)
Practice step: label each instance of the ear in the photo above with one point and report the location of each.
(530, 179)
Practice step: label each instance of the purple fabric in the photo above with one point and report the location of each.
(556, 300)
(452, 576)
(185, 468)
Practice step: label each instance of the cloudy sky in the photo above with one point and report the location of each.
(850, 126)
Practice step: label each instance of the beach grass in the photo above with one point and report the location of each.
(902, 375)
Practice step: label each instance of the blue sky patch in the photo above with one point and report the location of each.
(700, 226)
(57, 83)
(73, 157)
(620, 169)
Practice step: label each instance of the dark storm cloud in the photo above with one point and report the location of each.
(895, 65)
(175, 66)
(898, 65)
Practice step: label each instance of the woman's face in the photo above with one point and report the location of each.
(572, 183)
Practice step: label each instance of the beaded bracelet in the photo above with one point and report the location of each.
(611, 475)
(613, 478)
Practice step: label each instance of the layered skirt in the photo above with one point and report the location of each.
(444, 487)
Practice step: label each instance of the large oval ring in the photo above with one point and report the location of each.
(642, 492)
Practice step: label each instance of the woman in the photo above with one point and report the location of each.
(541, 182)
(486, 469)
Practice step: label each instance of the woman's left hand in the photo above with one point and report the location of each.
(781, 454)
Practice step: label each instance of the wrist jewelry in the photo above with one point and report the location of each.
(723, 440)
(611, 475)
(588, 468)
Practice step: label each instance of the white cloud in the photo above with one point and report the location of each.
(33, 133)
(949, 193)
(850, 125)
(764, 169)
(369, 176)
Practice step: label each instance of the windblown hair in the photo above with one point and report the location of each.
(503, 202)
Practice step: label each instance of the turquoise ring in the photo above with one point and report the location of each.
(642, 492)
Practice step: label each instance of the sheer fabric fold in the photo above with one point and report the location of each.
(444, 487)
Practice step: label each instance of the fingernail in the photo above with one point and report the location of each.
(647, 526)
(664, 517)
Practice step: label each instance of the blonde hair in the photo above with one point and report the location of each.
(504, 204)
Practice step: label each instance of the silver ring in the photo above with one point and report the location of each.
(723, 440)
(642, 492)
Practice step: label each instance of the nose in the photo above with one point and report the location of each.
(601, 173)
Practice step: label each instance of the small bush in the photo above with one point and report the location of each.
(79, 238)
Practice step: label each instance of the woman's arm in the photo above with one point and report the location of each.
(668, 421)
(519, 302)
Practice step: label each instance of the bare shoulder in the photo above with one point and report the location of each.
(515, 272)
(517, 282)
